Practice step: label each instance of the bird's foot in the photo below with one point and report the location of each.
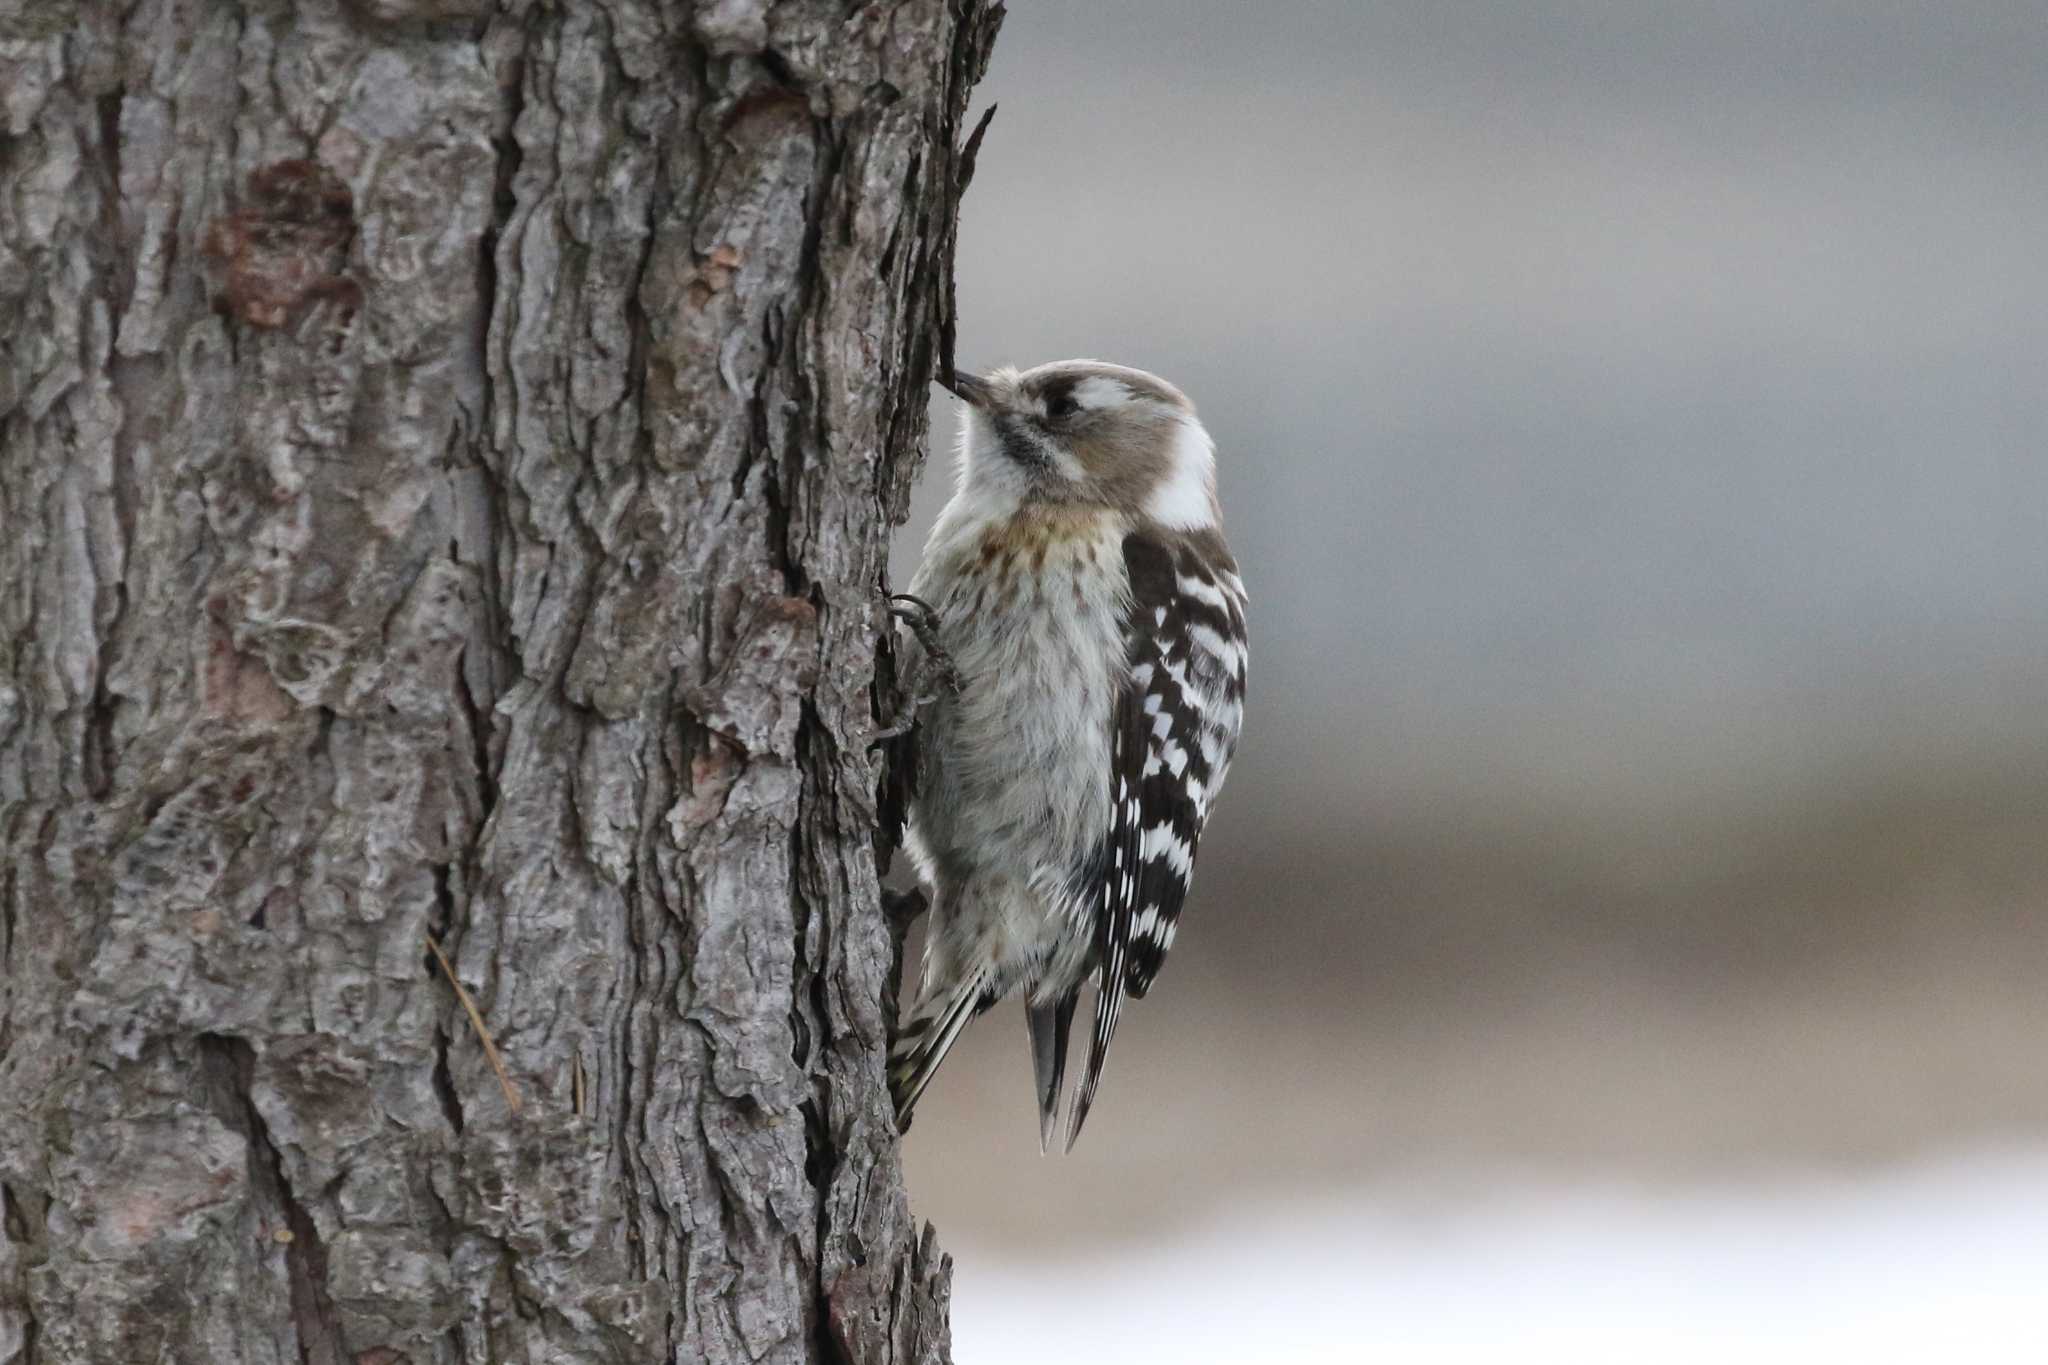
(934, 674)
(923, 621)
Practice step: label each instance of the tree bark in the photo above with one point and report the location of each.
(447, 452)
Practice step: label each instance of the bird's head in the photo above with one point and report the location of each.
(1082, 434)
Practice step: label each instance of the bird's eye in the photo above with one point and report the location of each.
(1061, 406)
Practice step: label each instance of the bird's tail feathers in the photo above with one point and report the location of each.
(1049, 1027)
(1109, 999)
(924, 1040)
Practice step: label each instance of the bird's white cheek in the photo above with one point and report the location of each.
(987, 478)
(977, 439)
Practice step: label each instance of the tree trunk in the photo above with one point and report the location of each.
(447, 453)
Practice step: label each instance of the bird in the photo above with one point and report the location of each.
(1079, 595)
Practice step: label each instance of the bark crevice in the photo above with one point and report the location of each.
(229, 1067)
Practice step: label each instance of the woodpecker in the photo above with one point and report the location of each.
(1078, 593)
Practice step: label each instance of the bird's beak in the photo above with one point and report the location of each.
(969, 389)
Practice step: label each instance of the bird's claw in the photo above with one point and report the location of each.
(935, 674)
(897, 729)
(923, 620)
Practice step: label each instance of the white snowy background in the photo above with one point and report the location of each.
(1942, 1261)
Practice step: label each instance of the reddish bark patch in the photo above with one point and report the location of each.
(238, 688)
(285, 247)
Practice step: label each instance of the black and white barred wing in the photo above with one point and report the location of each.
(1187, 686)
(1176, 727)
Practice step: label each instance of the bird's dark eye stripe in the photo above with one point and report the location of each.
(1059, 400)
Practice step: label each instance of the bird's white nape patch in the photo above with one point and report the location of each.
(1185, 499)
(1100, 391)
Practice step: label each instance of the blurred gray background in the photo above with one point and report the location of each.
(1631, 423)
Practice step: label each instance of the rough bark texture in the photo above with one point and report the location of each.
(446, 458)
